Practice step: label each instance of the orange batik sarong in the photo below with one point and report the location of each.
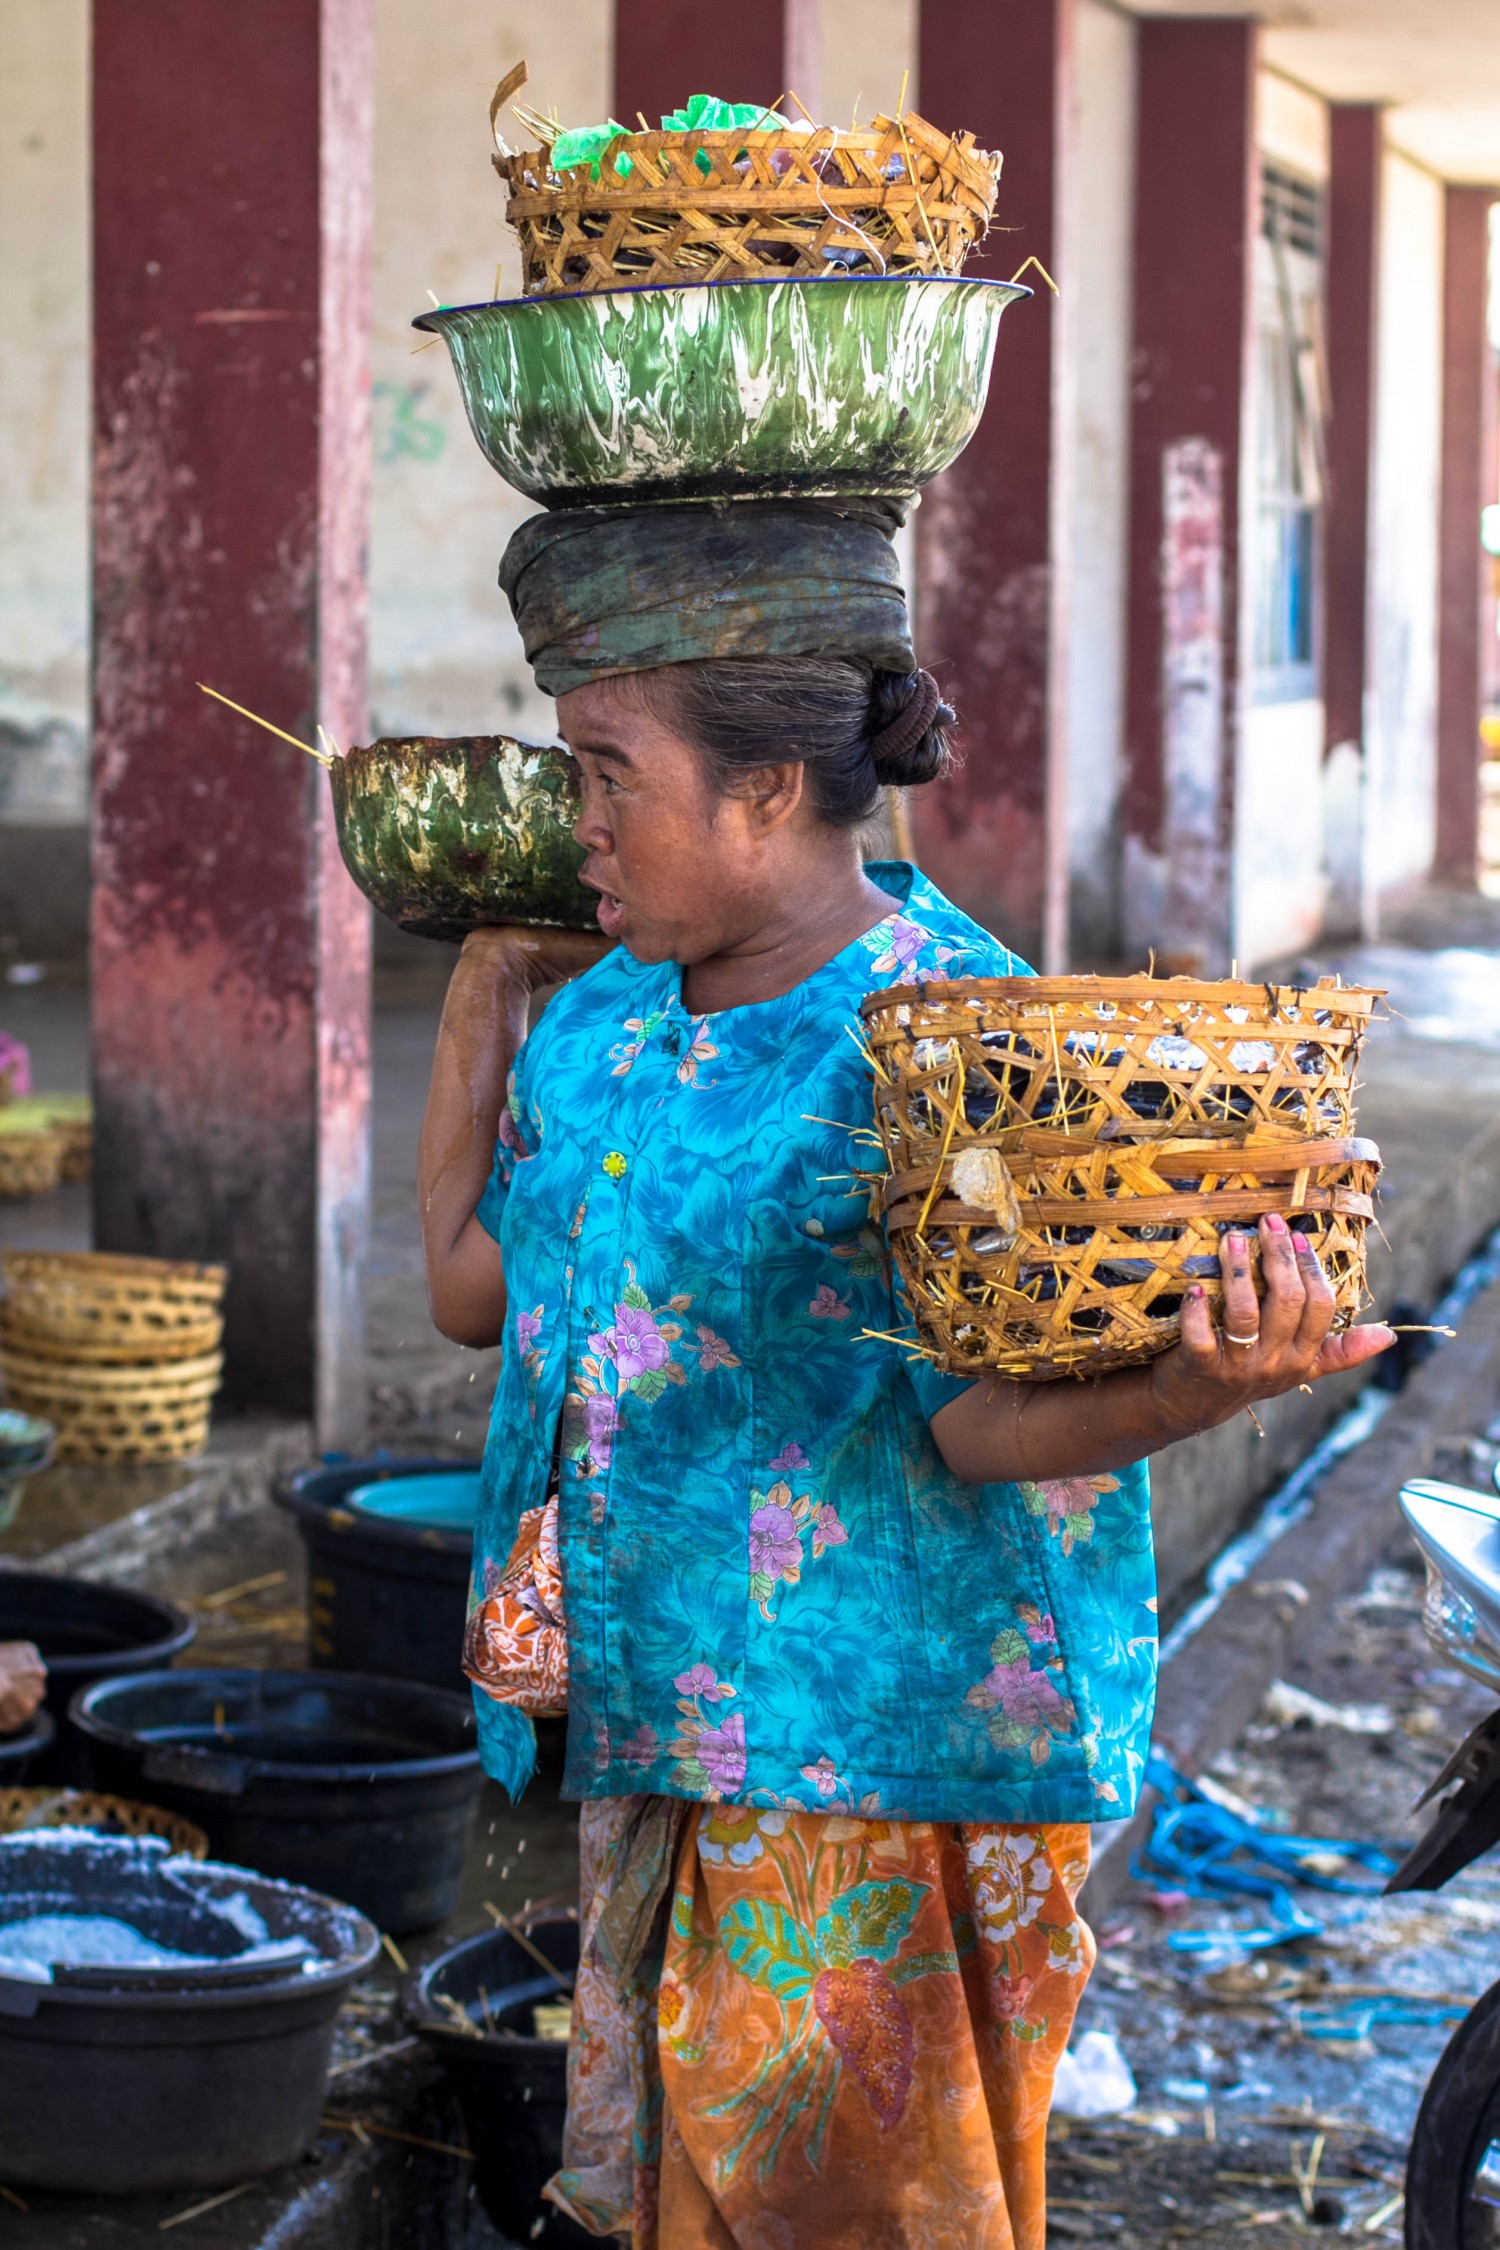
(850, 2038)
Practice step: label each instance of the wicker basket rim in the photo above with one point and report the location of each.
(962, 152)
(1061, 992)
(183, 1375)
(85, 1806)
(106, 1265)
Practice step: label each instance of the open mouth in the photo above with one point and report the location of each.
(611, 912)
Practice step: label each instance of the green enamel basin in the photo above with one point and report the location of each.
(745, 388)
(446, 836)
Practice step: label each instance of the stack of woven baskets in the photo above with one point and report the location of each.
(1065, 1155)
(122, 1354)
(44, 1140)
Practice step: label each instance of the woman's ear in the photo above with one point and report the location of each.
(771, 795)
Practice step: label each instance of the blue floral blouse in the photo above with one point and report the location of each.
(776, 1592)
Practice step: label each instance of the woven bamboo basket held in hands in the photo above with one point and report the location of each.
(788, 202)
(1065, 1155)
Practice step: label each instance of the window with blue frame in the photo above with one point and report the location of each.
(1288, 406)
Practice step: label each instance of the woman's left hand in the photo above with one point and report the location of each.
(1266, 1341)
(1263, 1344)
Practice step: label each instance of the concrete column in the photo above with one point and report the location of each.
(756, 50)
(231, 469)
(1196, 218)
(991, 574)
(1467, 378)
(1355, 153)
(1356, 156)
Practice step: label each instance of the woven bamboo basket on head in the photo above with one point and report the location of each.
(118, 1414)
(31, 1162)
(1066, 1154)
(107, 1816)
(784, 203)
(87, 1307)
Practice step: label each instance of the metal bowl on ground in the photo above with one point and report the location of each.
(200, 2061)
(86, 1632)
(389, 1594)
(733, 389)
(361, 1788)
(444, 836)
(512, 2084)
(27, 1444)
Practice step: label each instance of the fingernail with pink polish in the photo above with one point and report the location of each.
(1304, 1245)
(1275, 1223)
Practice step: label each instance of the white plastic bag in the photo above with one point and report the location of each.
(1093, 2078)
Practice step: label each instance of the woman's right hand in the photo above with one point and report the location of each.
(533, 959)
(483, 1028)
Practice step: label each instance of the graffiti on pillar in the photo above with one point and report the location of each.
(1195, 915)
(402, 430)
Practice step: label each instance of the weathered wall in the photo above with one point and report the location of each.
(444, 656)
(1098, 222)
(44, 186)
(1401, 732)
(1278, 862)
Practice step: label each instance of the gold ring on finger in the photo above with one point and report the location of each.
(1243, 1341)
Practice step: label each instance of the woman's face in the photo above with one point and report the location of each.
(682, 873)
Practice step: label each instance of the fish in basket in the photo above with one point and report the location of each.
(1064, 1155)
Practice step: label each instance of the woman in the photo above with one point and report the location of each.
(854, 1652)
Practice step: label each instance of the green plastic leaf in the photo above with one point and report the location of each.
(869, 1922)
(766, 1945)
(705, 113)
(587, 145)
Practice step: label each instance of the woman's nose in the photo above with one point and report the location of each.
(591, 832)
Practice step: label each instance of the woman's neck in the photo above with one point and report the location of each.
(804, 929)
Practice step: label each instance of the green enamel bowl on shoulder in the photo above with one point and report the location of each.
(744, 389)
(447, 836)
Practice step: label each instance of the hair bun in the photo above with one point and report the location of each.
(908, 729)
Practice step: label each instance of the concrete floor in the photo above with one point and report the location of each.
(1234, 2090)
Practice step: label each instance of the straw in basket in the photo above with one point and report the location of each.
(781, 203)
(1065, 1155)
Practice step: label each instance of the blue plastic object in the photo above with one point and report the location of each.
(1210, 1852)
(447, 1502)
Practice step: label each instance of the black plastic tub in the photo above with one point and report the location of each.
(361, 1788)
(21, 1753)
(86, 1632)
(194, 2075)
(511, 2086)
(385, 1597)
